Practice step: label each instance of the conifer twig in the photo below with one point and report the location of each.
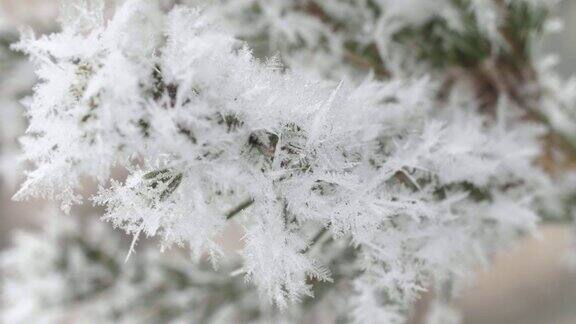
(236, 210)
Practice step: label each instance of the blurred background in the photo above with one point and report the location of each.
(530, 284)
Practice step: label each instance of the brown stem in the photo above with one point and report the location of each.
(362, 62)
(514, 77)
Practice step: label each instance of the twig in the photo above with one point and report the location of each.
(367, 64)
(315, 239)
(236, 210)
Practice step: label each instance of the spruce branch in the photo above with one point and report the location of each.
(403, 170)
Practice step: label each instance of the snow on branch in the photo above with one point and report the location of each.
(422, 189)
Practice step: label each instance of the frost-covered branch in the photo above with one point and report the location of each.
(425, 167)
